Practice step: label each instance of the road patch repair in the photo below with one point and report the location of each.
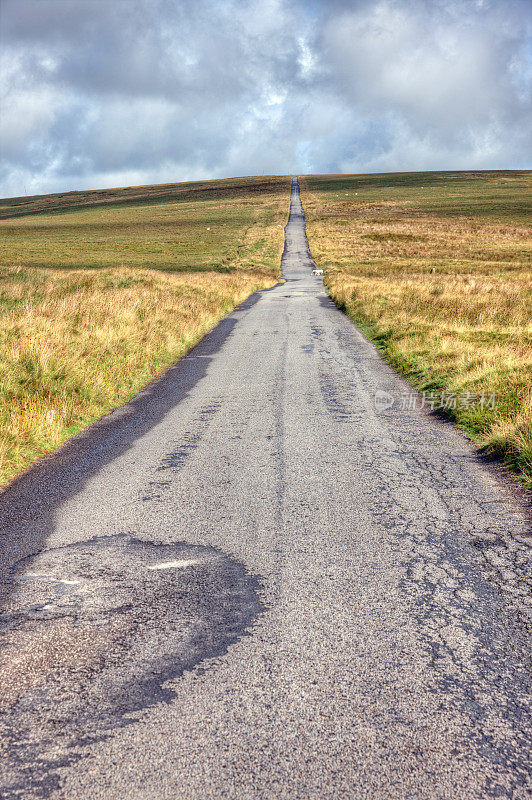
(95, 632)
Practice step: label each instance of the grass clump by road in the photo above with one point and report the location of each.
(435, 268)
(101, 291)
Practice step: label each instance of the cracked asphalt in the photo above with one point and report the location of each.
(252, 583)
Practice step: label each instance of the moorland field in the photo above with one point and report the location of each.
(102, 290)
(436, 269)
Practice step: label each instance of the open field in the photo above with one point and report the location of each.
(435, 267)
(100, 291)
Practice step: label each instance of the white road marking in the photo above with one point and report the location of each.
(50, 577)
(175, 564)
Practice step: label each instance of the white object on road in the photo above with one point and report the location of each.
(317, 271)
(189, 562)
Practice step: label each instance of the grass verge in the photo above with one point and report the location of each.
(101, 291)
(435, 268)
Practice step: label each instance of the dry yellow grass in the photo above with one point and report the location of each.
(436, 269)
(75, 343)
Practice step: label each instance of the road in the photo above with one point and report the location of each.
(256, 581)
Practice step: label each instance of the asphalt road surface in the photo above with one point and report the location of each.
(263, 579)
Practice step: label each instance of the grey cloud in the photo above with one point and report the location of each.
(449, 78)
(98, 94)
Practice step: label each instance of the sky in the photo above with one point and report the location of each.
(96, 94)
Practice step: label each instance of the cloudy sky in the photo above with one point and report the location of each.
(99, 93)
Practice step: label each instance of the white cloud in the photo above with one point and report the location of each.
(156, 90)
